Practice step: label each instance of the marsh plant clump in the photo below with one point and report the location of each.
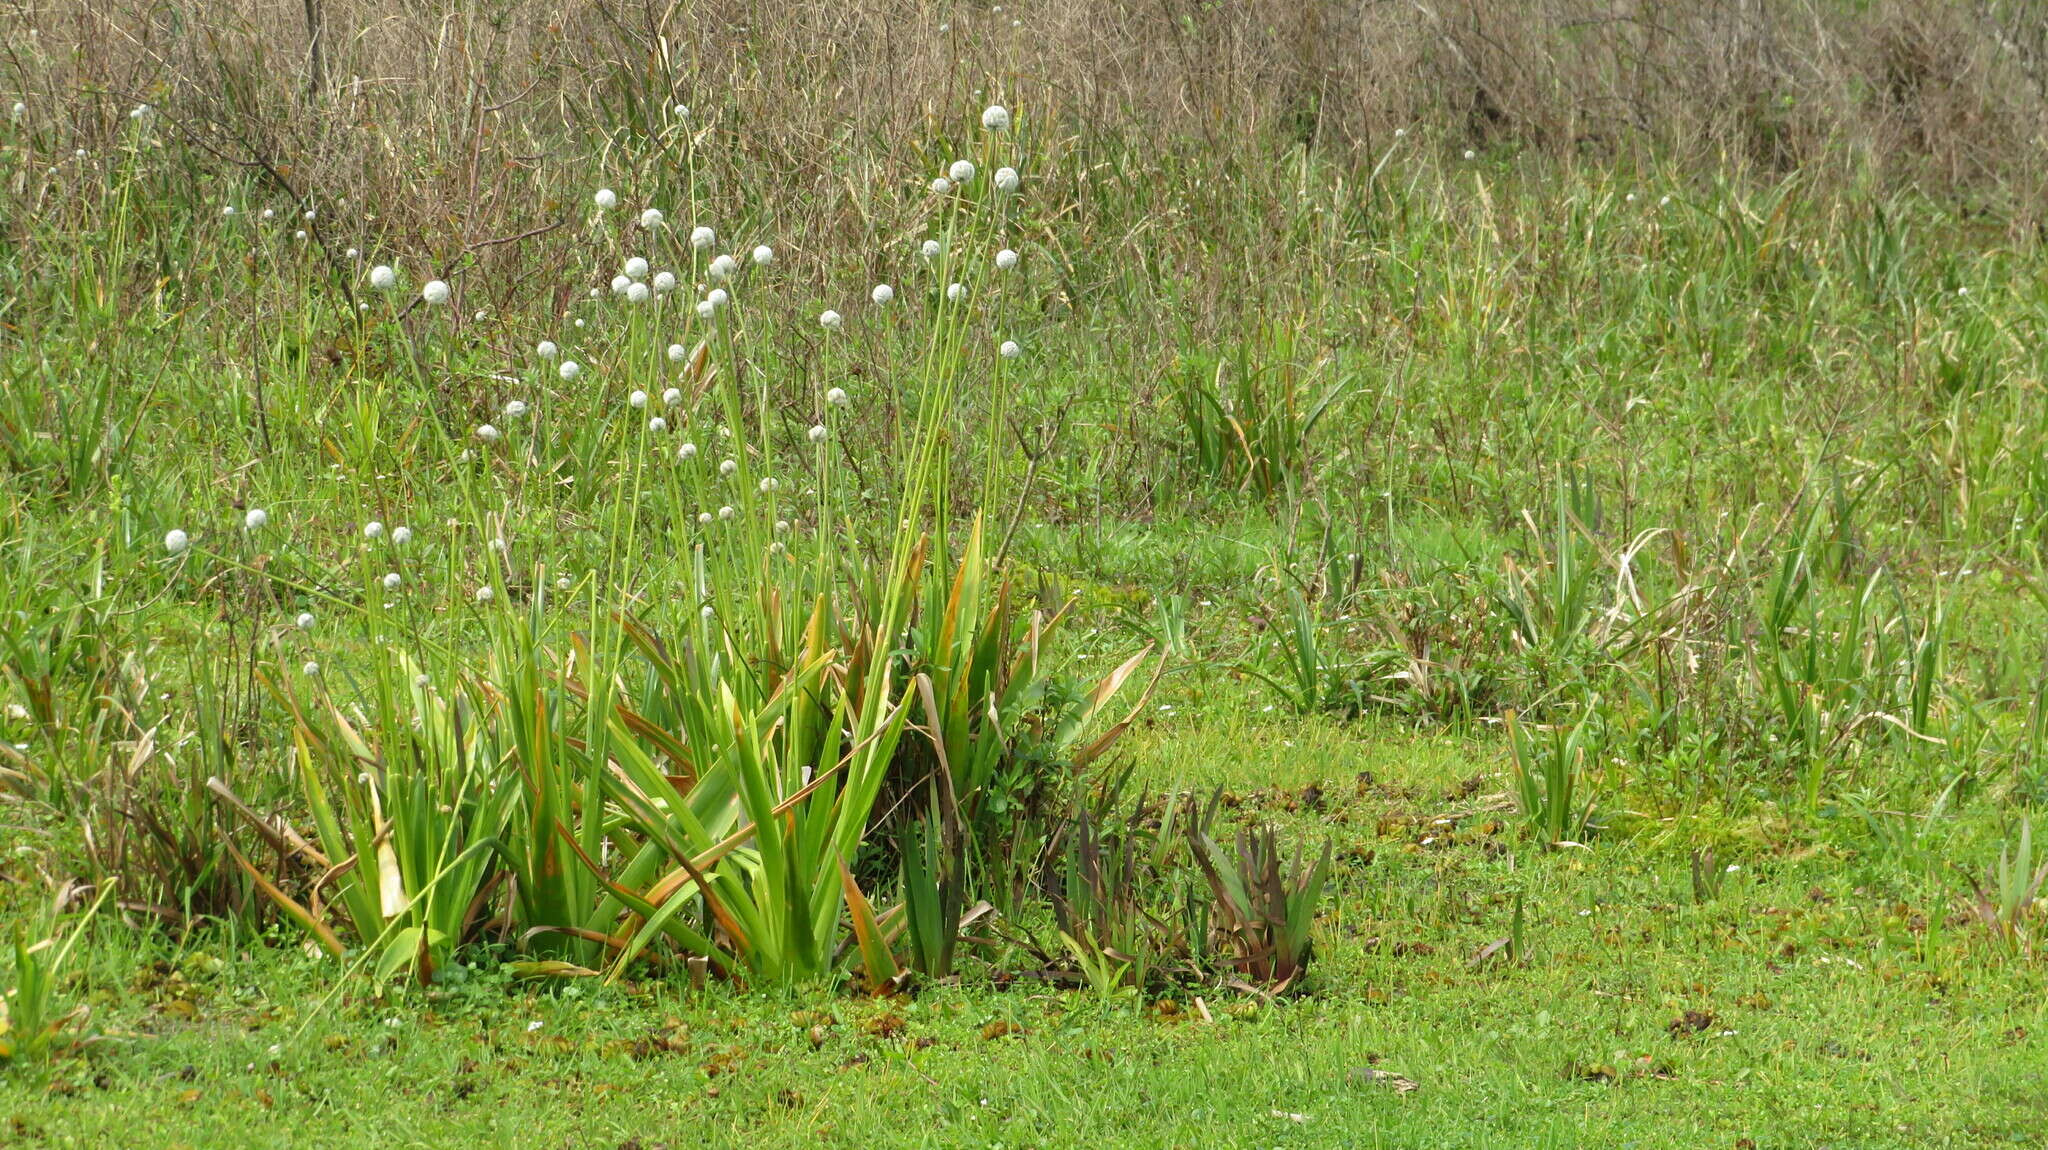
(1009, 561)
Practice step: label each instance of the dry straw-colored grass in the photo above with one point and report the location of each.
(442, 119)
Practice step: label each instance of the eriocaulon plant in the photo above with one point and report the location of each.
(700, 767)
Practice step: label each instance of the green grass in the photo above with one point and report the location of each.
(1731, 479)
(1820, 1016)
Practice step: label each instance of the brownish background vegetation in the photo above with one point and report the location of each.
(445, 102)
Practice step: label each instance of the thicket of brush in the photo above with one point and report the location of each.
(459, 122)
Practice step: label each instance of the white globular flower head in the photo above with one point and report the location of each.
(955, 292)
(483, 593)
(383, 278)
(606, 199)
(717, 297)
(702, 237)
(704, 519)
(300, 235)
(682, 111)
(725, 512)
(706, 309)
(255, 519)
(768, 485)
(961, 171)
(762, 255)
(941, 185)
(1470, 154)
(175, 541)
(664, 282)
(837, 397)
(677, 352)
(638, 399)
(882, 294)
(391, 581)
(547, 349)
(569, 370)
(1006, 259)
(722, 268)
(305, 621)
(373, 530)
(636, 293)
(268, 213)
(995, 118)
(930, 249)
(1010, 350)
(1006, 180)
(514, 408)
(686, 453)
(650, 219)
(727, 467)
(487, 433)
(436, 292)
(636, 268)
(657, 425)
(620, 283)
(817, 433)
(312, 669)
(353, 254)
(830, 320)
(400, 536)
(673, 397)
(227, 210)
